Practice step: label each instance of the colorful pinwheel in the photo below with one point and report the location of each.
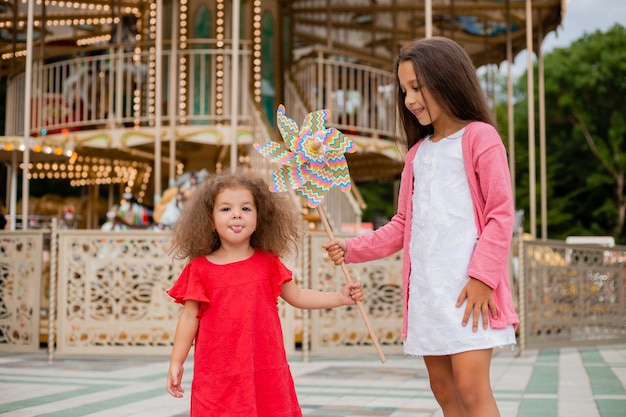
(313, 162)
(314, 159)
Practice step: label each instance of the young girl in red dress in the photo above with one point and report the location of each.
(233, 232)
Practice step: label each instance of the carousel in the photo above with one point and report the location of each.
(132, 103)
(119, 98)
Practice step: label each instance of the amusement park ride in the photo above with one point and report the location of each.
(123, 96)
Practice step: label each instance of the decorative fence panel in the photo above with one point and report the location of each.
(342, 330)
(109, 291)
(112, 294)
(21, 275)
(572, 295)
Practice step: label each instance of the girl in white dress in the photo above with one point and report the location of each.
(454, 224)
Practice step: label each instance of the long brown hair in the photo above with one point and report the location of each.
(279, 224)
(446, 70)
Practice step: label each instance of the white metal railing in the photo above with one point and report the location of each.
(116, 88)
(359, 96)
(342, 209)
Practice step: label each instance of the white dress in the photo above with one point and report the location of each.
(442, 240)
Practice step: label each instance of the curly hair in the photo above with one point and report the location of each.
(279, 224)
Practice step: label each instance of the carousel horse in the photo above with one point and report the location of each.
(168, 209)
(129, 215)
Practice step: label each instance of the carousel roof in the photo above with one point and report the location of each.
(378, 28)
(372, 28)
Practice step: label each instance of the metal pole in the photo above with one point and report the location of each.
(428, 17)
(27, 98)
(542, 139)
(531, 122)
(13, 204)
(509, 95)
(52, 311)
(158, 98)
(234, 83)
(523, 330)
(173, 92)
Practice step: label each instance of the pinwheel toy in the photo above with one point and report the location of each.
(314, 160)
(311, 164)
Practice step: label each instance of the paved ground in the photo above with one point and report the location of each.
(572, 382)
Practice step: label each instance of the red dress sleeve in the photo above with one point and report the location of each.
(189, 286)
(281, 275)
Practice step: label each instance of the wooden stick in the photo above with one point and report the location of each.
(346, 273)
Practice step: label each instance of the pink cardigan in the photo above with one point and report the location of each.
(490, 186)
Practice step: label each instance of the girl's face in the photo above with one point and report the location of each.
(416, 96)
(235, 216)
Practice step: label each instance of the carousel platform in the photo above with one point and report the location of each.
(566, 382)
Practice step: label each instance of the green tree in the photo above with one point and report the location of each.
(585, 86)
(379, 197)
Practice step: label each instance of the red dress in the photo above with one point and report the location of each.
(240, 365)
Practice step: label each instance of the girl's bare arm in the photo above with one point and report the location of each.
(311, 299)
(186, 330)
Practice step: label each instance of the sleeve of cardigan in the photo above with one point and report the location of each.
(382, 242)
(388, 239)
(489, 261)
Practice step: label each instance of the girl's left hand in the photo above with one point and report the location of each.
(352, 292)
(174, 379)
(479, 303)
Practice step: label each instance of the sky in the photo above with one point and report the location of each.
(581, 17)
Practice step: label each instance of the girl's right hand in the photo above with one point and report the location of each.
(336, 249)
(174, 380)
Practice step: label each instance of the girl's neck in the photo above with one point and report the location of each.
(229, 254)
(444, 130)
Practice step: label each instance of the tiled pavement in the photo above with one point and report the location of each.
(568, 382)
